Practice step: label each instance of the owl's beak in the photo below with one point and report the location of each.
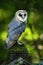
(23, 17)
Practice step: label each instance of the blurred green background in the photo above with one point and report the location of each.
(32, 38)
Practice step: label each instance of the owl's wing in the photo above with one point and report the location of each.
(15, 33)
(14, 30)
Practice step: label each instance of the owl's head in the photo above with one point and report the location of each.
(21, 15)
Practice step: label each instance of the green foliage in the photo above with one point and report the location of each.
(34, 26)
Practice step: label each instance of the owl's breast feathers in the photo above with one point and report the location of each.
(16, 25)
(15, 29)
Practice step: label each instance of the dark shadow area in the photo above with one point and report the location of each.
(18, 51)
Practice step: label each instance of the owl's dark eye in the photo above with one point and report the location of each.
(20, 15)
(24, 14)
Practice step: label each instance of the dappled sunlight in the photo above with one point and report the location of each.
(25, 34)
(30, 49)
(35, 36)
(3, 35)
(28, 35)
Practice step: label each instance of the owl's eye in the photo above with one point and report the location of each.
(24, 14)
(20, 15)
